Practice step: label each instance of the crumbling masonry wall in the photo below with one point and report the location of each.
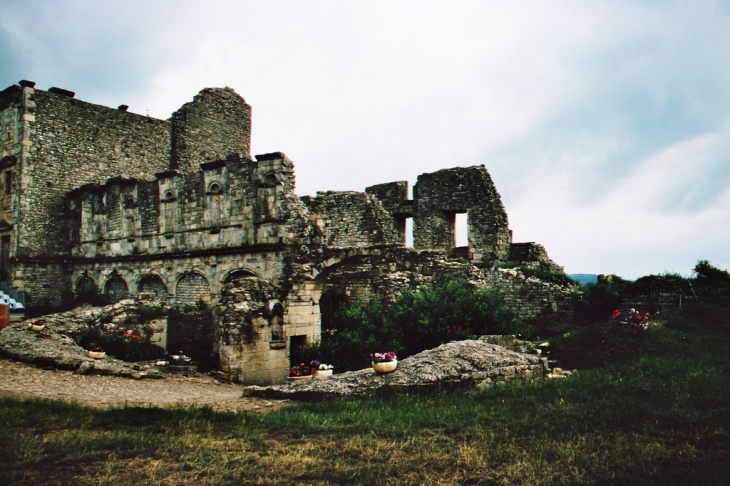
(351, 219)
(54, 143)
(93, 196)
(216, 125)
(440, 195)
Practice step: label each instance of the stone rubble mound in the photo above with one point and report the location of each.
(55, 345)
(455, 365)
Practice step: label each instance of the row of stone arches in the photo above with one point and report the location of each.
(189, 289)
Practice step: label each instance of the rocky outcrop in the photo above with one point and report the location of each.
(49, 348)
(55, 345)
(459, 365)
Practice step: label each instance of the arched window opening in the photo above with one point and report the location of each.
(239, 275)
(192, 289)
(116, 288)
(154, 285)
(215, 188)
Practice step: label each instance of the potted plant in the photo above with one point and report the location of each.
(321, 370)
(300, 372)
(96, 352)
(384, 362)
(179, 363)
(37, 325)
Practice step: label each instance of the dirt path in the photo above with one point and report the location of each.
(26, 381)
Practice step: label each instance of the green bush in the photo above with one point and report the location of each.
(124, 348)
(600, 299)
(191, 332)
(708, 274)
(416, 321)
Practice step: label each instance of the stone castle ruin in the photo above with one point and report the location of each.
(93, 197)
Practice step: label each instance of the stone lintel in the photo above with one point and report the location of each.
(167, 174)
(216, 164)
(270, 156)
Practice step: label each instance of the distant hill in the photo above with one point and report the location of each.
(584, 278)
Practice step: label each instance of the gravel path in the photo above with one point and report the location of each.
(26, 381)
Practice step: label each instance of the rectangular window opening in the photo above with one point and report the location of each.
(461, 230)
(409, 232)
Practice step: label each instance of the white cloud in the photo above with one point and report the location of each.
(570, 105)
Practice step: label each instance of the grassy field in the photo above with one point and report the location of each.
(646, 409)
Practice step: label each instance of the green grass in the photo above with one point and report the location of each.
(659, 415)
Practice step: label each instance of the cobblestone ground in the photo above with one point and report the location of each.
(26, 381)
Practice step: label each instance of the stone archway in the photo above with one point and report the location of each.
(116, 288)
(192, 288)
(86, 285)
(239, 275)
(154, 285)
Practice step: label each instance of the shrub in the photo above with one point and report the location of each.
(416, 321)
(708, 274)
(149, 312)
(600, 299)
(193, 334)
(132, 347)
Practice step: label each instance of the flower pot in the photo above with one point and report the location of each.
(179, 368)
(322, 373)
(96, 354)
(385, 366)
(299, 378)
(37, 327)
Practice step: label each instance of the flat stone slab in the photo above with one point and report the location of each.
(455, 365)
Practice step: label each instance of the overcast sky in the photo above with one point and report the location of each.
(605, 125)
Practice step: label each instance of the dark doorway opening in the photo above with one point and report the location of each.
(296, 345)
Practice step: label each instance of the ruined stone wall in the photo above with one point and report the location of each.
(534, 256)
(15, 121)
(227, 207)
(351, 219)
(281, 216)
(388, 272)
(216, 125)
(178, 208)
(61, 143)
(394, 197)
(76, 143)
(170, 270)
(230, 218)
(533, 298)
(656, 295)
(440, 195)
